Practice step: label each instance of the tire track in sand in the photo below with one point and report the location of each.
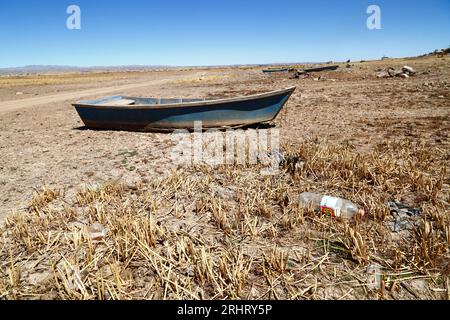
(14, 105)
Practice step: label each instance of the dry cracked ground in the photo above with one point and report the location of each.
(109, 215)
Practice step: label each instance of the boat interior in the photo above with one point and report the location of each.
(129, 101)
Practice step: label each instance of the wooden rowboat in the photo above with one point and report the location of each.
(272, 70)
(319, 69)
(149, 114)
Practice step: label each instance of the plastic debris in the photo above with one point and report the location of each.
(404, 217)
(335, 207)
(97, 232)
(374, 271)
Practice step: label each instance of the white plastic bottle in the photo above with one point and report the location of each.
(335, 207)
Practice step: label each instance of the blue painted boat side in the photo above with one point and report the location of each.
(221, 114)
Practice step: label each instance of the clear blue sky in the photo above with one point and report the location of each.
(194, 32)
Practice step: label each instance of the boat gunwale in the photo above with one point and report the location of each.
(289, 90)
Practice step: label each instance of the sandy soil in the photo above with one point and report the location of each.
(42, 145)
(43, 142)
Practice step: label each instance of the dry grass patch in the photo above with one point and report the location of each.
(228, 232)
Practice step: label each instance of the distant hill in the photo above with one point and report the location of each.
(50, 69)
(45, 69)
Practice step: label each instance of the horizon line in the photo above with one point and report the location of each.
(204, 66)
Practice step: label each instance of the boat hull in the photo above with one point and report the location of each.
(212, 114)
(275, 70)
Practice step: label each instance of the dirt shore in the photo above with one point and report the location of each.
(43, 142)
(43, 145)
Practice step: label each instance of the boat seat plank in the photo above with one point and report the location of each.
(121, 102)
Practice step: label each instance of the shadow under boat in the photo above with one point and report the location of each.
(256, 126)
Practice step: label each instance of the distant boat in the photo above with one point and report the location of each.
(271, 70)
(319, 69)
(150, 114)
